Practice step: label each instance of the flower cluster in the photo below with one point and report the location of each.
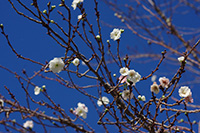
(129, 76)
(164, 82)
(141, 98)
(185, 92)
(81, 110)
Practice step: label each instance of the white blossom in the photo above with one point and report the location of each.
(79, 16)
(126, 94)
(184, 91)
(143, 98)
(180, 59)
(123, 71)
(76, 62)
(115, 34)
(1, 103)
(164, 82)
(56, 65)
(155, 88)
(37, 90)
(133, 76)
(102, 100)
(189, 98)
(81, 110)
(75, 3)
(28, 124)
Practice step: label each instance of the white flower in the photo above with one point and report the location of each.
(75, 3)
(133, 76)
(141, 98)
(56, 65)
(184, 91)
(155, 88)
(37, 90)
(81, 110)
(164, 82)
(102, 100)
(126, 94)
(153, 78)
(1, 103)
(76, 62)
(28, 124)
(189, 98)
(123, 71)
(180, 59)
(115, 34)
(79, 16)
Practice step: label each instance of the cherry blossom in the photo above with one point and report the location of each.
(37, 90)
(141, 98)
(28, 124)
(164, 82)
(126, 94)
(184, 91)
(181, 59)
(56, 65)
(75, 3)
(133, 76)
(115, 34)
(81, 110)
(155, 88)
(103, 100)
(76, 62)
(123, 71)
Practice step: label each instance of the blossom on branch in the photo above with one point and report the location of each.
(133, 76)
(155, 88)
(184, 91)
(75, 3)
(28, 124)
(115, 34)
(76, 62)
(80, 16)
(189, 98)
(164, 82)
(81, 110)
(181, 59)
(37, 90)
(123, 71)
(141, 98)
(126, 94)
(56, 65)
(103, 100)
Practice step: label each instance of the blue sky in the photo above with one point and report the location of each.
(30, 40)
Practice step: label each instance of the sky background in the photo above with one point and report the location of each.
(30, 40)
